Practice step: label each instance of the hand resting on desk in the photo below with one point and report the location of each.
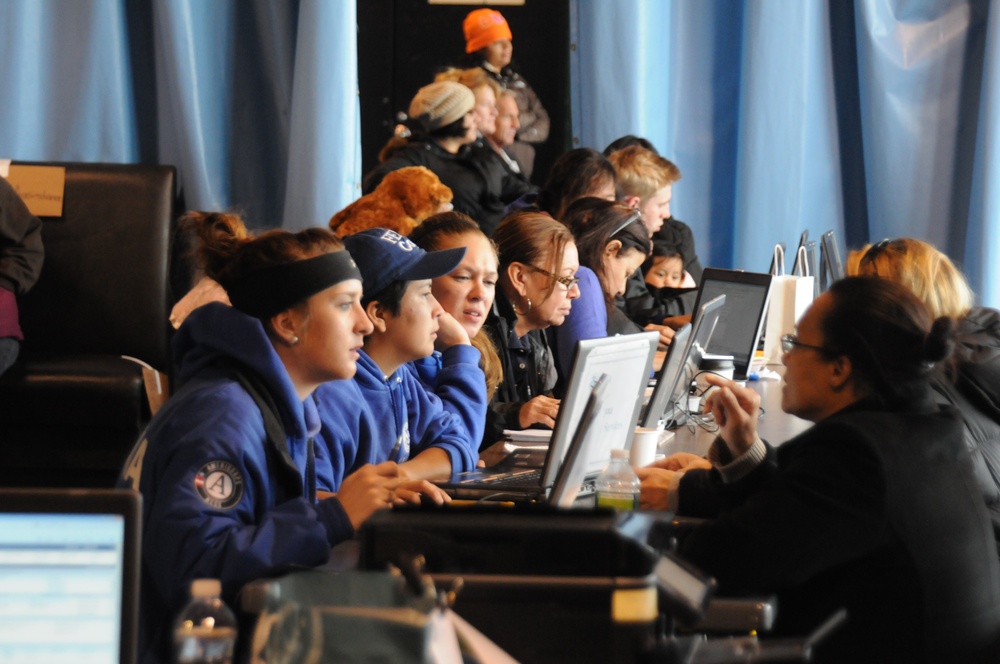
(681, 461)
(379, 486)
(540, 410)
(661, 478)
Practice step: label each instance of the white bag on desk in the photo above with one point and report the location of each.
(790, 297)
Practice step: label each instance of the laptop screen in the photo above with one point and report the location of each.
(627, 360)
(665, 380)
(68, 576)
(742, 317)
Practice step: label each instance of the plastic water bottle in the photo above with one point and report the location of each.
(618, 486)
(205, 632)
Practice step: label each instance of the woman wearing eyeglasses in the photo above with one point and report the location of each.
(873, 509)
(538, 283)
(613, 243)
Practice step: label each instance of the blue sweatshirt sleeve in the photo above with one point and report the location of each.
(457, 379)
(432, 425)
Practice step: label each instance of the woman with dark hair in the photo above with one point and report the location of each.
(538, 283)
(443, 129)
(576, 174)
(612, 242)
(233, 486)
(874, 509)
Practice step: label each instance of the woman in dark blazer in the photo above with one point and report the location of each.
(874, 509)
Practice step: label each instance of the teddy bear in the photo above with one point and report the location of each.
(402, 200)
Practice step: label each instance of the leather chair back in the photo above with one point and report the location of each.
(103, 287)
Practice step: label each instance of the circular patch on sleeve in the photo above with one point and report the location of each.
(220, 484)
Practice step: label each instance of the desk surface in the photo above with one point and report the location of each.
(775, 426)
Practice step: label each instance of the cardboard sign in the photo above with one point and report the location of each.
(40, 187)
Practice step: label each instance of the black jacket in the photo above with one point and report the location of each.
(528, 370)
(21, 252)
(477, 178)
(976, 393)
(871, 510)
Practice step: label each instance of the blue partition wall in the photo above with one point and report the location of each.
(875, 118)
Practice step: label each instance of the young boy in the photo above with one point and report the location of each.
(384, 413)
(645, 181)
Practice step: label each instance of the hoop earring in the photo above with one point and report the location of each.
(525, 312)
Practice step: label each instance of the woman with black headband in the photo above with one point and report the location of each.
(232, 484)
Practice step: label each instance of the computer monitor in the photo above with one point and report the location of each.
(69, 575)
(659, 401)
(705, 324)
(573, 470)
(742, 319)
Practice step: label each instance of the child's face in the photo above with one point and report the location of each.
(667, 272)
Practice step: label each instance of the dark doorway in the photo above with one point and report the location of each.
(402, 44)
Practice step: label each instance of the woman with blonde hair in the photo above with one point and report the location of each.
(924, 270)
(973, 383)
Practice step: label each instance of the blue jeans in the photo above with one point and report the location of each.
(8, 353)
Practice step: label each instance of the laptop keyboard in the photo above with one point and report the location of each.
(525, 478)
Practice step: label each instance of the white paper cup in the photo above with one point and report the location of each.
(644, 444)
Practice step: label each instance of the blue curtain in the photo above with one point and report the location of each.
(874, 118)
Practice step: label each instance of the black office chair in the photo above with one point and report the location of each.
(72, 406)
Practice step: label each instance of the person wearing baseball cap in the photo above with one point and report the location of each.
(489, 45)
(386, 410)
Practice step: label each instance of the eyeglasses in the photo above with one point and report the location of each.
(790, 342)
(634, 216)
(568, 282)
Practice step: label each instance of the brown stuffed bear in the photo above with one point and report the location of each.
(402, 200)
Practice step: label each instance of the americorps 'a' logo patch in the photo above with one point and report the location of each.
(220, 484)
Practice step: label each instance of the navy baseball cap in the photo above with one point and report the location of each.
(385, 256)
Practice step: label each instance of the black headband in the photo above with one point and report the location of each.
(274, 289)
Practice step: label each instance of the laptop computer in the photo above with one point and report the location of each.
(668, 405)
(652, 412)
(626, 360)
(742, 317)
(69, 575)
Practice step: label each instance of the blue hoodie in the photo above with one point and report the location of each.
(372, 419)
(457, 379)
(213, 504)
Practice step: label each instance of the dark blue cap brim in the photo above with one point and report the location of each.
(434, 264)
